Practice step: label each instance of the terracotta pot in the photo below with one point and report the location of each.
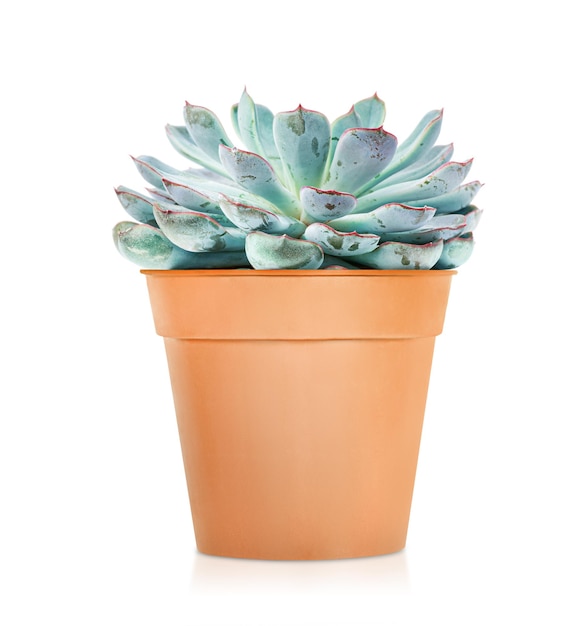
(300, 398)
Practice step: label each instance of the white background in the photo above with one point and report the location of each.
(94, 524)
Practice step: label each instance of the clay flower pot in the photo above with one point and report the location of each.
(300, 398)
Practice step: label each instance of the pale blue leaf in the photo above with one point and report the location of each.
(270, 252)
(324, 205)
(421, 140)
(336, 243)
(247, 121)
(250, 218)
(255, 174)
(196, 232)
(455, 200)
(153, 170)
(160, 194)
(389, 218)
(182, 142)
(360, 155)
(438, 227)
(149, 248)
(442, 181)
(455, 253)
(191, 198)
(339, 125)
(206, 130)
(402, 256)
(138, 206)
(430, 161)
(371, 112)
(302, 138)
(473, 215)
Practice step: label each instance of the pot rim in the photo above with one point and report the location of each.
(275, 273)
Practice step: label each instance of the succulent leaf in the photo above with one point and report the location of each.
(153, 170)
(302, 138)
(190, 197)
(360, 155)
(149, 248)
(251, 218)
(419, 142)
(455, 253)
(438, 227)
(473, 215)
(196, 232)
(337, 243)
(265, 120)
(138, 206)
(214, 189)
(160, 194)
(253, 173)
(455, 200)
(182, 142)
(430, 161)
(371, 112)
(389, 218)
(402, 256)
(323, 205)
(442, 181)
(339, 125)
(206, 130)
(269, 252)
(247, 124)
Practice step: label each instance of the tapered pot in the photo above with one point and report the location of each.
(300, 398)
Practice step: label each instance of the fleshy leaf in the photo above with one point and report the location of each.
(149, 248)
(214, 189)
(442, 181)
(419, 142)
(247, 120)
(256, 175)
(264, 121)
(430, 161)
(324, 205)
(269, 252)
(153, 170)
(473, 215)
(182, 142)
(206, 130)
(455, 200)
(139, 207)
(438, 227)
(389, 218)
(160, 194)
(455, 253)
(360, 154)
(402, 256)
(337, 243)
(250, 218)
(371, 112)
(196, 232)
(190, 197)
(302, 138)
(339, 125)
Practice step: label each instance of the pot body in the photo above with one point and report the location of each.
(300, 398)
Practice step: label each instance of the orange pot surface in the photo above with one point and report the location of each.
(300, 398)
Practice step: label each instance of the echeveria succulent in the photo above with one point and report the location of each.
(302, 193)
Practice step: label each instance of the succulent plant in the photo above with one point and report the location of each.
(303, 193)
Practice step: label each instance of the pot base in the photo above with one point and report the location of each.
(288, 459)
